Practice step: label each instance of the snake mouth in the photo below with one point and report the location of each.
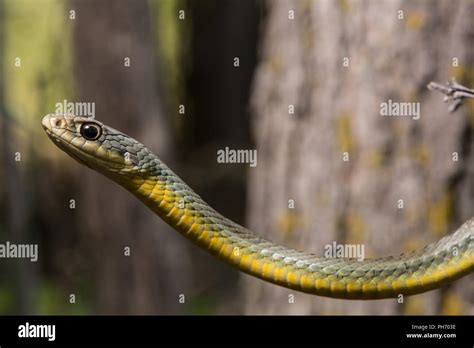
(52, 136)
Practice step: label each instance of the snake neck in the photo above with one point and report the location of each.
(168, 196)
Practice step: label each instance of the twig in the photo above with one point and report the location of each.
(454, 92)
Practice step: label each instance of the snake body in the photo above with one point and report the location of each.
(130, 164)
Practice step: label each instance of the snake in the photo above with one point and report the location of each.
(133, 166)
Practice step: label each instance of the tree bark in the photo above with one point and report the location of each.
(217, 115)
(337, 111)
(146, 282)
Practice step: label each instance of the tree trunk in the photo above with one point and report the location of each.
(401, 187)
(218, 117)
(105, 34)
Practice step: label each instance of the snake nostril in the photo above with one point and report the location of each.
(57, 122)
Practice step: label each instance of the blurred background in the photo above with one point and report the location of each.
(299, 80)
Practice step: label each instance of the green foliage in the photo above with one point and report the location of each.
(43, 45)
(37, 70)
(171, 35)
(7, 299)
(55, 301)
(202, 305)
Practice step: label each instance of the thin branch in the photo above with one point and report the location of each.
(454, 92)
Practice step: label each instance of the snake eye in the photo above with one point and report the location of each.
(91, 131)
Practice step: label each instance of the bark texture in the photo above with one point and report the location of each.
(337, 111)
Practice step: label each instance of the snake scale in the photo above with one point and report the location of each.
(130, 164)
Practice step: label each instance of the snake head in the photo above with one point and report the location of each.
(93, 144)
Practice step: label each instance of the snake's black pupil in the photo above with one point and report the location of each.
(90, 132)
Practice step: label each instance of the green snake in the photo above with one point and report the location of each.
(130, 164)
